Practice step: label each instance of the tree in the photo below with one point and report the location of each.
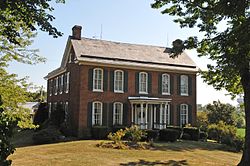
(221, 112)
(19, 21)
(229, 47)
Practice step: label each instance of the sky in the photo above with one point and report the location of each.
(127, 21)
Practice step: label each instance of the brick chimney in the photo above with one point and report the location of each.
(76, 32)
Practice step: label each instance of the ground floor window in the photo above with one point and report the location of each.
(183, 114)
(97, 114)
(117, 113)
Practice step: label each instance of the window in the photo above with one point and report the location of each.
(54, 106)
(56, 86)
(184, 85)
(183, 114)
(165, 84)
(143, 83)
(117, 113)
(49, 110)
(67, 82)
(50, 87)
(66, 111)
(118, 81)
(98, 80)
(61, 84)
(97, 113)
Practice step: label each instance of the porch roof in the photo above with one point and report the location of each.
(151, 100)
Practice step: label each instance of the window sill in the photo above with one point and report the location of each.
(97, 90)
(167, 94)
(184, 94)
(143, 93)
(118, 91)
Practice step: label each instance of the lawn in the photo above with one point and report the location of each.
(86, 153)
(241, 132)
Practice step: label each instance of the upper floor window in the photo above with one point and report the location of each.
(97, 79)
(66, 82)
(183, 114)
(118, 81)
(56, 85)
(143, 83)
(165, 84)
(117, 113)
(97, 113)
(184, 85)
(61, 84)
(50, 87)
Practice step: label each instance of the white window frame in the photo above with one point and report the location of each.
(54, 106)
(67, 83)
(120, 114)
(56, 86)
(116, 81)
(94, 121)
(167, 82)
(66, 111)
(94, 75)
(184, 85)
(141, 83)
(183, 114)
(50, 87)
(49, 112)
(61, 84)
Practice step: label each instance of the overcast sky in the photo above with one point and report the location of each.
(127, 21)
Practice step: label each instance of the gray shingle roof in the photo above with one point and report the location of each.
(127, 52)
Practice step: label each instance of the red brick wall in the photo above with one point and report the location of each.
(110, 97)
(79, 95)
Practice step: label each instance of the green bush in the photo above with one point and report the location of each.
(203, 135)
(193, 132)
(219, 131)
(100, 132)
(41, 115)
(168, 135)
(186, 136)
(151, 134)
(239, 143)
(48, 135)
(177, 128)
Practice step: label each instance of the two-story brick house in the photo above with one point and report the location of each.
(104, 83)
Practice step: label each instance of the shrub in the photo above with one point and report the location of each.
(176, 128)
(117, 136)
(239, 143)
(134, 134)
(168, 135)
(220, 130)
(48, 135)
(151, 134)
(193, 132)
(99, 132)
(41, 114)
(203, 135)
(186, 136)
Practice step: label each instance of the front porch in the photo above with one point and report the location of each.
(150, 113)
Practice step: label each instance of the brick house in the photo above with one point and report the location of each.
(110, 84)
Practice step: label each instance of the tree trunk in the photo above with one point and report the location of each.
(245, 160)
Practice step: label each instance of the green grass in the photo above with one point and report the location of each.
(86, 153)
(241, 132)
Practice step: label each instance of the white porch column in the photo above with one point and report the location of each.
(151, 116)
(146, 116)
(161, 116)
(136, 118)
(154, 116)
(165, 117)
(132, 113)
(141, 122)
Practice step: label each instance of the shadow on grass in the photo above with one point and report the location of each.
(152, 163)
(190, 146)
